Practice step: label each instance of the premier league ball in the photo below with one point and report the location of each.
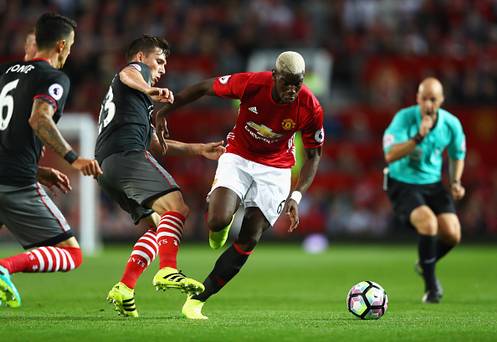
(367, 300)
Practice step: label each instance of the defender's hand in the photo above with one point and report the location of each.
(457, 190)
(292, 210)
(54, 178)
(213, 150)
(88, 167)
(162, 131)
(163, 95)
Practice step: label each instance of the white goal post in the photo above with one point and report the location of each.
(82, 127)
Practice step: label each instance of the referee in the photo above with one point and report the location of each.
(413, 144)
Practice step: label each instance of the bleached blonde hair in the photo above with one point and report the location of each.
(290, 62)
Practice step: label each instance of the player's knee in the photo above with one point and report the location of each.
(425, 221)
(217, 222)
(183, 209)
(179, 207)
(454, 238)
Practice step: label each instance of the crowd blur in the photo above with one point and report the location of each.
(381, 49)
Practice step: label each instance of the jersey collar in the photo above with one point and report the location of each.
(39, 60)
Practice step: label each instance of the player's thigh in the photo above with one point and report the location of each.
(231, 183)
(269, 191)
(135, 180)
(405, 198)
(223, 203)
(171, 201)
(440, 200)
(71, 242)
(233, 172)
(254, 224)
(33, 218)
(449, 228)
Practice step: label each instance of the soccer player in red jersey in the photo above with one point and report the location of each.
(256, 169)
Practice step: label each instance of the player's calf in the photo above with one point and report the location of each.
(44, 259)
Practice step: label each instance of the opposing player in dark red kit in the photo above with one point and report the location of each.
(256, 169)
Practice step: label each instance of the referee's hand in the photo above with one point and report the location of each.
(457, 191)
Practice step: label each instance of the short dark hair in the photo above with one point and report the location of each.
(147, 44)
(52, 27)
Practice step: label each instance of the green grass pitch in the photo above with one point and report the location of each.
(282, 294)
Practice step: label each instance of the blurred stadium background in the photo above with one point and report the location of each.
(365, 59)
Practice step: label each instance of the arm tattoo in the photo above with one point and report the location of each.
(44, 127)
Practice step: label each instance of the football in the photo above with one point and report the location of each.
(367, 300)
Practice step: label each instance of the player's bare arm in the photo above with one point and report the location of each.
(307, 174)
(134, 79)
(50, 178)
(45, 128)
(42, 123)
(184, 97)
(401, 150)
(456, 168)
(212, 150)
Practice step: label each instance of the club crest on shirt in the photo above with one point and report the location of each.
(288, 124)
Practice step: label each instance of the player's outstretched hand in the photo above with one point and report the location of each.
(162, 131)
(53, 178)
(213, 150)
(292, 210)
(88, 167)
(457, 190)
(163, 95)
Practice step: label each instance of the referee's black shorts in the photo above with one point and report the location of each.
(406, 197)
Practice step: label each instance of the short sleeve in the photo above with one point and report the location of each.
(313, 132)
(396, 132)
(54, 89)
(144, 70)
(231, 86)
(457, 145)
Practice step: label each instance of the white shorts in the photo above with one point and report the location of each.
(256, 185)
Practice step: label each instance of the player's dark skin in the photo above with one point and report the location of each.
(224, 202)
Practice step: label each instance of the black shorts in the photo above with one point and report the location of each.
(32, 217)
(133, 179)
(406, 197)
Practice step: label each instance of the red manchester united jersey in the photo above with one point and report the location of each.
(264, 130)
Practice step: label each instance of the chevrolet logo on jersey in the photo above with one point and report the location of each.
(262, 132)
